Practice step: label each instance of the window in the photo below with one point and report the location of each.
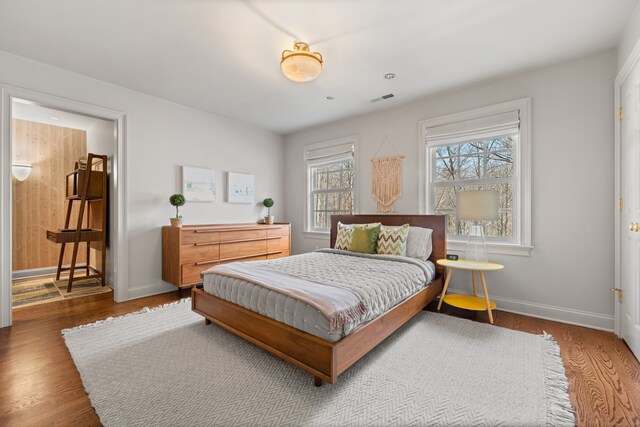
(484, 149)
(330, 178)
(475, 165)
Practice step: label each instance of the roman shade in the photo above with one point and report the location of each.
(492, 126)
(329, 154)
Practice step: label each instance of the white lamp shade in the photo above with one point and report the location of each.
(477, 205)
(21, 171)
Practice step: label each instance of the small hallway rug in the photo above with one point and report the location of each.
(165, 367)
(41, 290)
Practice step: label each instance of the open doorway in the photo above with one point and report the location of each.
(113, 125)
(48, 147)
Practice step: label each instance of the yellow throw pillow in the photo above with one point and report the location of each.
(364, 238)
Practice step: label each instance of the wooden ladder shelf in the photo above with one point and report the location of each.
(85, 186)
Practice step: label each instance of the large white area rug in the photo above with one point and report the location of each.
(165, 367)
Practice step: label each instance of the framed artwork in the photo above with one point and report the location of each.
(198, 184)
(240, 188)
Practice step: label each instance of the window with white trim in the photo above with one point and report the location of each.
(330, 179)
(484, 149)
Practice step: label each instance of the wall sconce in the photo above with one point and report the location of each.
(21, 170)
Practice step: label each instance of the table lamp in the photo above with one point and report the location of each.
(477, 206)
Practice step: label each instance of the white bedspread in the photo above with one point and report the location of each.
(381, 281)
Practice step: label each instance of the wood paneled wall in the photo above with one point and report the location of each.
(39, 202)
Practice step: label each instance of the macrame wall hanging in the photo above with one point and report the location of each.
(386, 179)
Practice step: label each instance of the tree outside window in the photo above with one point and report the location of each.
(331, 192)
(475, 165)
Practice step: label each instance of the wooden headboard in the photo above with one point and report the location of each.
(435, 222)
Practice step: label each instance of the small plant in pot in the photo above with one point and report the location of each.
(177, 200)
(268, 203)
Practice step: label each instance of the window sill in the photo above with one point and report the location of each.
(458, 247)
(321, 235)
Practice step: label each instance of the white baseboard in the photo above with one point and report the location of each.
(571, 316)
(558, 314)
(146, 290)
(150, 289)
(36, 272)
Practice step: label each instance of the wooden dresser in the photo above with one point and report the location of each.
(189, 250)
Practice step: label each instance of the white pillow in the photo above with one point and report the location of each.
(419, 244)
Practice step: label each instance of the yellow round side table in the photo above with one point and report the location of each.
(469, 302)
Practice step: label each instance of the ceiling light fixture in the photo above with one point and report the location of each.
(330, 98)
(389, 76)
(299, 64)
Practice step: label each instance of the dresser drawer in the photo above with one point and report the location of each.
(279, 255)
(190, 237)
(205, 251)
(240, 249)
(191, 273)
(253, 258)
(278, 231)
(242, 235)
(188, 251)
(278, 244)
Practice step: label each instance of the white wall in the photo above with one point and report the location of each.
(101, 139)
(570, 270)
(160, 137)
(630, 37)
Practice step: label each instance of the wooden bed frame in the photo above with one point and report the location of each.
(325, 359)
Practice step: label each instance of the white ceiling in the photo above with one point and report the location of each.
(50, 116)
(223, 56)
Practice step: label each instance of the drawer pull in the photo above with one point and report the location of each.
(207, 262)
(242, 229)
(205, 231)
(257, 239)
(249, 256)
(206, 244)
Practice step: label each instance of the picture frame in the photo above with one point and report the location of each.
(198, 184)
(240, 188)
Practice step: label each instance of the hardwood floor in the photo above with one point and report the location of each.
(39, 384)
(604, 376)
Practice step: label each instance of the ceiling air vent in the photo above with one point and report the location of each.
(387, 96)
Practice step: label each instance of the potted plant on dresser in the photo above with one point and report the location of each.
(177, 200)
(268, 203)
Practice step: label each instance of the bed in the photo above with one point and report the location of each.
(316, 348)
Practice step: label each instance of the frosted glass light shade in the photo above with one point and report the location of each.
(476, 249)
(21, 171)
(477, 205)
(301, 65)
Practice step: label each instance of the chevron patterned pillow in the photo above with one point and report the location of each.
(393, 240)
(343, 240)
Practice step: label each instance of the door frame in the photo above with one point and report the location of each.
(118, 235)
(629, 64)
